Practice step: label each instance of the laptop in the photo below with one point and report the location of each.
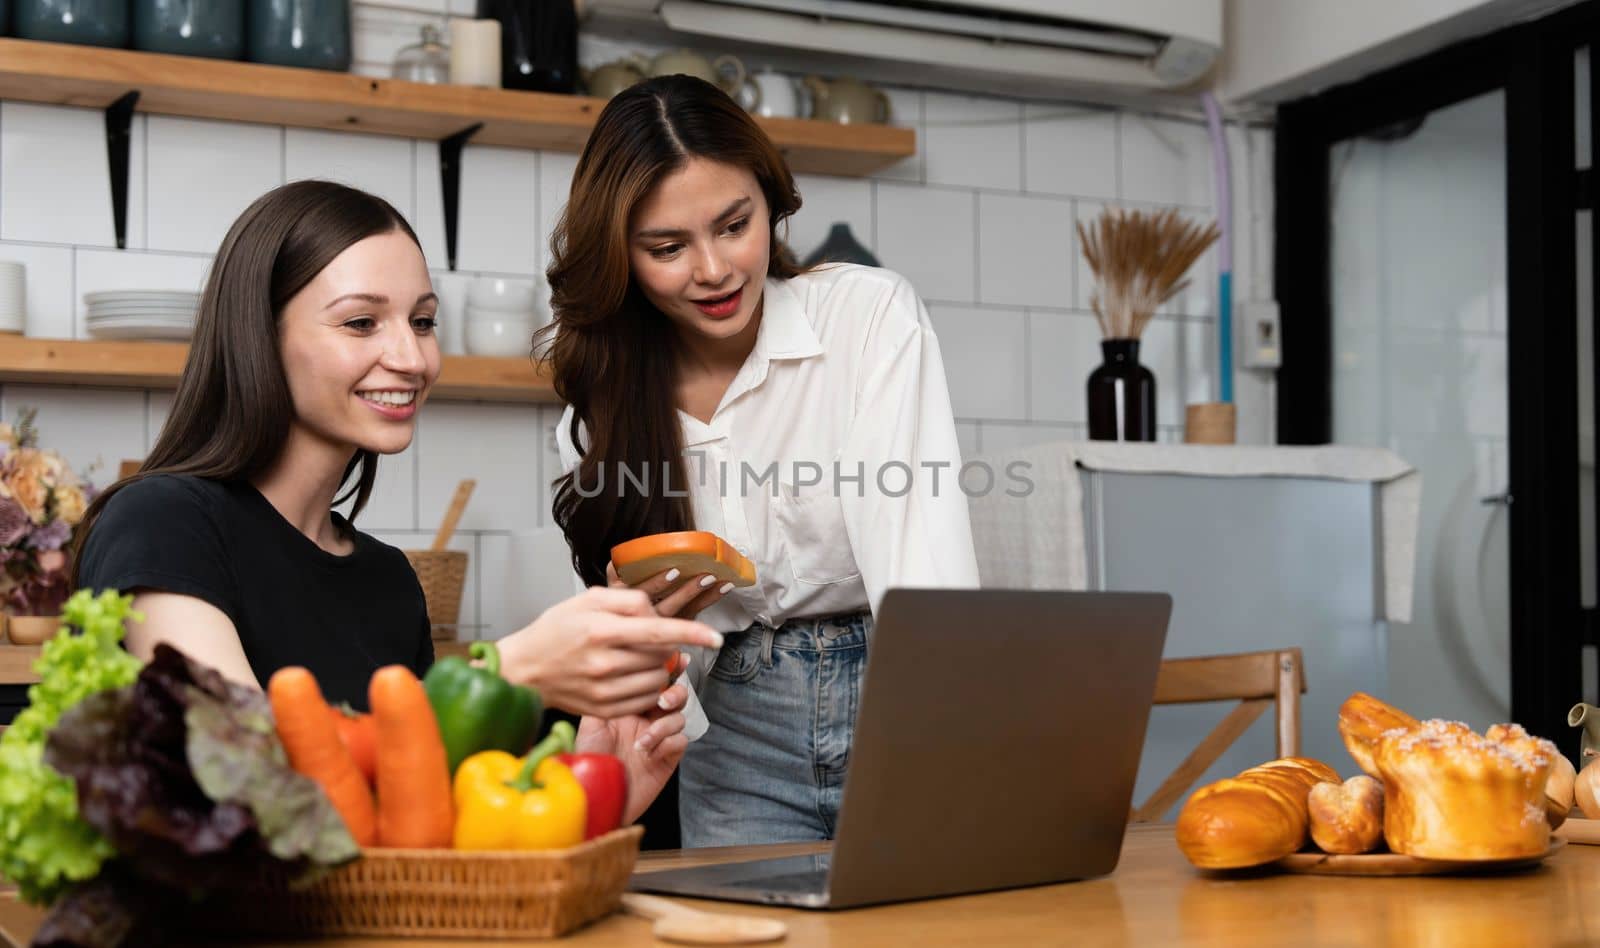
(997, 741)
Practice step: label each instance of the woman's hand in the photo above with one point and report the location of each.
(686, 602)
(650, 746)
(604, 652)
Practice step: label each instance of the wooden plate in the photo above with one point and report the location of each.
(1580, 830)
(1398, 864)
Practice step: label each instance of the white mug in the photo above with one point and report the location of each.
(780, 96)
(475, 52)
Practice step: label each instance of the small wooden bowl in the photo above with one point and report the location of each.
(32, 630)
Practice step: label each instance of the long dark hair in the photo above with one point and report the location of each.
(610, 352)
(231, 416)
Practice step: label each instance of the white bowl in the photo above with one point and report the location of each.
(499, 293)
(507, 338)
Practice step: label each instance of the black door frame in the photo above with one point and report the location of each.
(1533, 63)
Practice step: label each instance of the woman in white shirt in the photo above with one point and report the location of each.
(801, 415)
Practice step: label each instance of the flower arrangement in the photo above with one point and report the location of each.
(1139, 260)
(41, 501)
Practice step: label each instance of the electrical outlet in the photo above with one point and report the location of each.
(1257, 324)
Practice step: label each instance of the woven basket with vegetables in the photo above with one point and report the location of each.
(134, 798)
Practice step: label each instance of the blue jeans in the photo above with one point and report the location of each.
(782, 705)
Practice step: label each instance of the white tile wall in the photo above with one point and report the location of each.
(1165, 161)
(499, 207)
(1063, 348)
(1024, 250)
(1069, 149)
(990, 348)
(973, 142)
(499, 447)
(157, 407)
(905, 110)
(55, 183)
(927, 235)
(980, 220)
(229, 163)
(375, 163)
(555, 183)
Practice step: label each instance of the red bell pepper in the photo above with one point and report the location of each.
(605, 784)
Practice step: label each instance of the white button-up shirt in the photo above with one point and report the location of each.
(831, 461)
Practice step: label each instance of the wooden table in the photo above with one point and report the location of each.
(1156, 898)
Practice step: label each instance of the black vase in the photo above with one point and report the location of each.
(1122, 395)
(538, 43)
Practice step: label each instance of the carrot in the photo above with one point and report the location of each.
(414, 805)
(311, 739)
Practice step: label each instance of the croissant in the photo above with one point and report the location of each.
(1348, 817)
(1364, 719)
(1252, 819)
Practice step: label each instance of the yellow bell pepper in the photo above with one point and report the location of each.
(533, 803)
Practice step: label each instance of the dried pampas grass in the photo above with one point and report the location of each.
(1139, 260)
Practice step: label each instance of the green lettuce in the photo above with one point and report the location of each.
(44, 844)
(182, 771)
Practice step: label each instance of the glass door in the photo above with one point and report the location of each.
(1435, 259)
(1418, 300)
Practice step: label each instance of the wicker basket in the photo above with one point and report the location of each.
(442, 893)
(442, 573)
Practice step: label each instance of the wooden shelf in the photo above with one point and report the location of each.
(16, 664)
(61, 74)
(158, 365)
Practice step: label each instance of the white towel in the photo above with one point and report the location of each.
(1037, 542)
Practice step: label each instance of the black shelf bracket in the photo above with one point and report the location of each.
(119, 135)
(450, 184)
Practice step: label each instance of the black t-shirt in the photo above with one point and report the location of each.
(292, 602)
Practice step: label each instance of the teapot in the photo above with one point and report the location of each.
(846, 100)
(1586, 716)
(726, 72)
(608, 80)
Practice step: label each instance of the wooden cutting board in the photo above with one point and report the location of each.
(1399, 864)
(1580, 831)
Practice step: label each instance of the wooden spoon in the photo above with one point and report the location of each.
(685, 925)
(452, 516)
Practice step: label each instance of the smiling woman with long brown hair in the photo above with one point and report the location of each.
(314, 350)
(801, 415)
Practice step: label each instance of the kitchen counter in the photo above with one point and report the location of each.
(1155, 898)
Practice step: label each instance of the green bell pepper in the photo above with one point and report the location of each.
(477, 710)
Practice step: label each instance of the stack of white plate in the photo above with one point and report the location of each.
(141, 314)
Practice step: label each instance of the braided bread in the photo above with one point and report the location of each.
(1252, 819)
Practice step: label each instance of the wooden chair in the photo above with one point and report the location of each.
(1257, 680)
(128, 467)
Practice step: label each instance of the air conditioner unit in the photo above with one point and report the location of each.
(1019, 47)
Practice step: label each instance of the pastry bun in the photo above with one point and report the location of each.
(1347, 818)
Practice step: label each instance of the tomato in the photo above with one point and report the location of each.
(360, 736)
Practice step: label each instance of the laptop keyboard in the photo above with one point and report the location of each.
(813, 881)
